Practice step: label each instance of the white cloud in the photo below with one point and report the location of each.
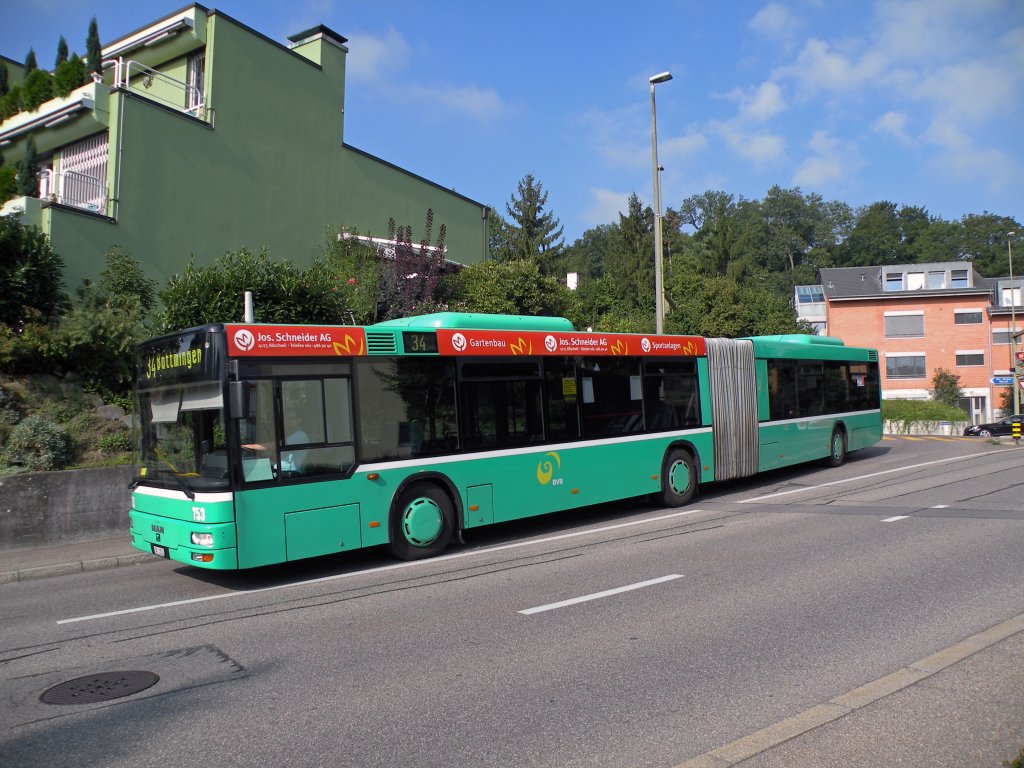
(605, 206)
(761, 148)
(375, 59)
(973, 91)
(830, 162)
(960, 159)
(764, 103)
(893, 124)
(480, 103)
(774, 20)
(623, 139)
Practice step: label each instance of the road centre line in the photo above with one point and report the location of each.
(599, 595)
(894, 519)
(381, 569)
(863, 477)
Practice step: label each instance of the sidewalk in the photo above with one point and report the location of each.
(28, 563)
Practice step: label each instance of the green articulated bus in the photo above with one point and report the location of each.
(263, 444)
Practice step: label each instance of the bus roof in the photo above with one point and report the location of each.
(477, 321)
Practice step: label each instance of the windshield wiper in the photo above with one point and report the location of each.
(177, 476)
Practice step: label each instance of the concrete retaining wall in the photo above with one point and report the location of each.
(46, 508)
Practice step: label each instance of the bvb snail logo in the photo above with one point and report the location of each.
(546, 467)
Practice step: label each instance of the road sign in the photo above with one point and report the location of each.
(1003, 381)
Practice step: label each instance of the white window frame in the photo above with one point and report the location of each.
(907, 313)
(923, 357)
(960, 352)
(980, 311)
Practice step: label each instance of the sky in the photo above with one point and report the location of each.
(917, 102)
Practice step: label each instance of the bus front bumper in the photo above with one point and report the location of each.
(202, 545)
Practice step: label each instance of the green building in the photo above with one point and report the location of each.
(204, 136)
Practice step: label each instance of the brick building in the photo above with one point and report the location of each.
(922, 317)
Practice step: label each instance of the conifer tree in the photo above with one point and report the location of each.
(531, 232)
(93, 49)
(5, 84)
(27, 180)
(62, 52)
(30, 61)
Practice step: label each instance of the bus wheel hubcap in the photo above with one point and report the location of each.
(837, 446)
(679, 477)
(422, 522)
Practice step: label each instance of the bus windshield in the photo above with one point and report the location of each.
(183, 437)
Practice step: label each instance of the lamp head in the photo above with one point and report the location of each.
(661, 78)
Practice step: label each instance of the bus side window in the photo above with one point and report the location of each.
(257, 434)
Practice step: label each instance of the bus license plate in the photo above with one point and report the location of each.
(160, 551)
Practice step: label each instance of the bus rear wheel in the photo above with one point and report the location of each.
(837, 448)
(422, 522)
(678, 478)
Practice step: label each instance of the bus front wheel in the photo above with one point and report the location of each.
(422, 522)
(678, 478)
(837, 448)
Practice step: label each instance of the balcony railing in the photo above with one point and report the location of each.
(74, 189)
(157, 86)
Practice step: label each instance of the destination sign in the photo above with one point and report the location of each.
(465, 342)
(295, 341)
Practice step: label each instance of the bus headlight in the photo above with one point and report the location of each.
(202, 539)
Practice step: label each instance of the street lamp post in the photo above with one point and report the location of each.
(1013, 328)
(659, 288)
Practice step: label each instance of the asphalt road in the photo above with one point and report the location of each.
(621, 635)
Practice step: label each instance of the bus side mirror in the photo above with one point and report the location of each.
(238, 399)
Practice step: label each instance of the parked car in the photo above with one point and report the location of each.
(1004, 427)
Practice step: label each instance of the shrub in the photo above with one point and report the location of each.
(38, 444)
(903, 415)
(116, 442)
(10, 408)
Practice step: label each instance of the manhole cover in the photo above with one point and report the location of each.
(100, 687)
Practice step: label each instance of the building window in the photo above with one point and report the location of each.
(936, 281)
(1010, 297)
(894, 281)
(1001, 337)
(195, 97)
(904, 325)
(915, 281)
(972, 357)
(909, 366)
(968, 316)
(960, 278)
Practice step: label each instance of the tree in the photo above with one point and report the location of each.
(5, 83)
(69, 75)
(983, 240)
(531, 232)
(31, 281)
(8, 181)
(714, 217)
(28, 170)
(631, 258)
(350, 270)
(30, 61)
(123, 281)
(513, 288)
(216, 293)
(62, 52)
(946, 388)
(93, 49)
(411, 274)
(714, 305)
(37, 88)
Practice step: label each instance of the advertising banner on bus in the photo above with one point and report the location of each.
(294, 341)
(464, 342)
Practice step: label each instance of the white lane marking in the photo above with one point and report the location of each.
(598, 595)
(894, 519)
(382, 569)
(863, 477)
(941, 506)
